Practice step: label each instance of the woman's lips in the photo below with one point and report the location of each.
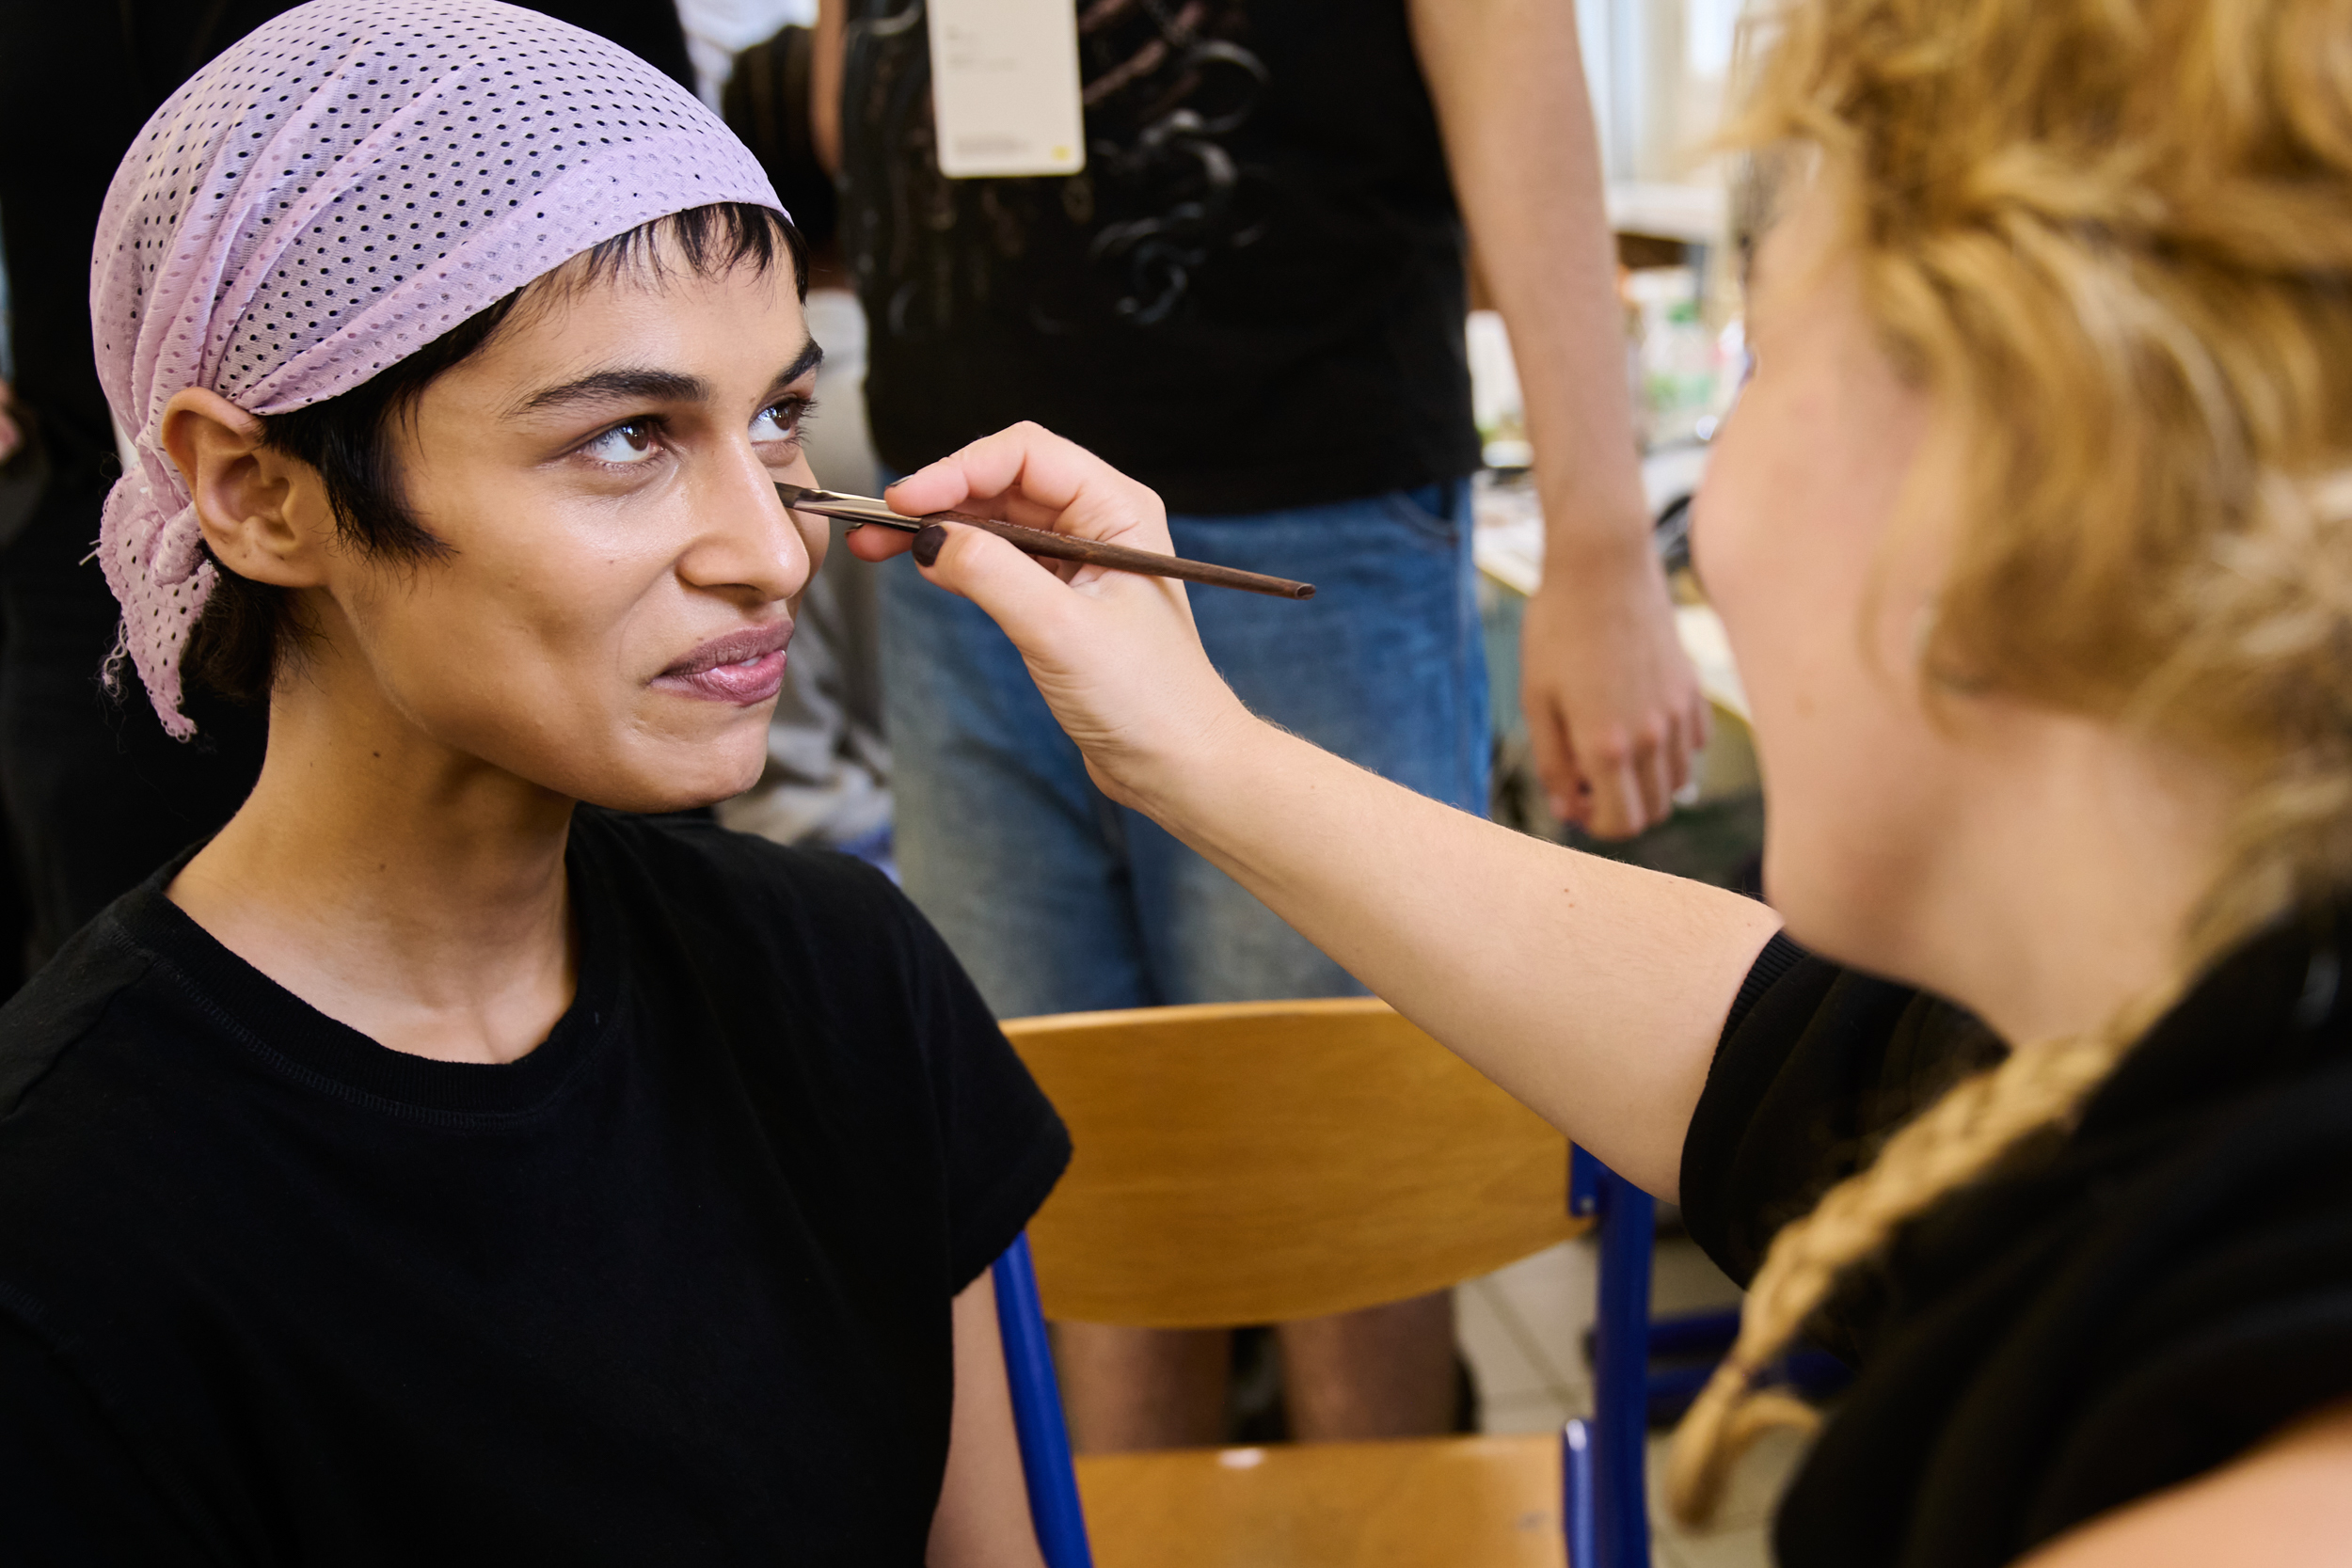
(744, 667)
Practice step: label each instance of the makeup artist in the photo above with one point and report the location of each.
(2033, 536)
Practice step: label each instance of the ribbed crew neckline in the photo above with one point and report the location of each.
(338, 1058)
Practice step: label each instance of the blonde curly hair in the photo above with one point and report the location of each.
(2112, 240)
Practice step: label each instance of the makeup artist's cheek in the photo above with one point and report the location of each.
(1719, 518)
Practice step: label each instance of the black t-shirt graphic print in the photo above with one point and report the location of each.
(1250, 298)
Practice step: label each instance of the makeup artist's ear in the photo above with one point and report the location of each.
(264, 513)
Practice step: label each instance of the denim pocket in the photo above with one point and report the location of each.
(1436, 513)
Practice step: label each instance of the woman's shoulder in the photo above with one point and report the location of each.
(1816, 1064)
(111, 1067)
(73, 998)
(2122, 1304)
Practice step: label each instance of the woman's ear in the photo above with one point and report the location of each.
(264, 513)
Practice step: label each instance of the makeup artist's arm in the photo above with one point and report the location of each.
(1593, 991)
(1612, 703)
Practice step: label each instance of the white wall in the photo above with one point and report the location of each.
(1656, 70)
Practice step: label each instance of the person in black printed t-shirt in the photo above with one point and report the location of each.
(2033, 537)
(444, 1164)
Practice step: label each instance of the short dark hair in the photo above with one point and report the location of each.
(245, 626)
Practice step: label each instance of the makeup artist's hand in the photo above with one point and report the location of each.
(1458, 922)
(1115, 654)
(1614, 710)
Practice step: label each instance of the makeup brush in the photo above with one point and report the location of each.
(928, 536)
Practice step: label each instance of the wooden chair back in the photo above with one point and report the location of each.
(1261, 1161)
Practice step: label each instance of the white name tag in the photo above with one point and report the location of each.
(1005, 87)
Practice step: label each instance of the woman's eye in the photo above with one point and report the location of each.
(632, 442)
(779, 422)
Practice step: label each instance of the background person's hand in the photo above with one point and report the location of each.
(1614, 710)
(1115, 654)
(12, 433)
(1614, 713)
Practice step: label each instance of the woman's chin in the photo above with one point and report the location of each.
(697, 779)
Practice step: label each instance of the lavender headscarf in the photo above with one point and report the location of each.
(343, 186)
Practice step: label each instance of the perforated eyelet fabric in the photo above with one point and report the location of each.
(338, 189)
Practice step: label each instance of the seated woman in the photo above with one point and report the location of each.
(2033, 536)
(444, 1164)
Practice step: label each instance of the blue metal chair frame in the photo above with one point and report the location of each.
(1602, 1505)
(1036, 1418)
(1604, 1509)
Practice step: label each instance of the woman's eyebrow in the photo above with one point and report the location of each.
(806, 360)
(628, 385)
(619, 385)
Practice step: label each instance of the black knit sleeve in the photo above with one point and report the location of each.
(1817, 1064)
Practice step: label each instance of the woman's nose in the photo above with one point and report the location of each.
(745, 540)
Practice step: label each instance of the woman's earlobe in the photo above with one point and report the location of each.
(246, 496)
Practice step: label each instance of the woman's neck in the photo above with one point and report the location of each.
(398, 886)
(2067, 875)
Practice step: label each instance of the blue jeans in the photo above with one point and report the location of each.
(1057, 900)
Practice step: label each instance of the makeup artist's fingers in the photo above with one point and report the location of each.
(1116, 658)
(1114, 654)
(1026, 474)
(1024, 459)
(1035, 603)
(876, 544)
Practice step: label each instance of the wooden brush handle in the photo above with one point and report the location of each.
(1067, 546)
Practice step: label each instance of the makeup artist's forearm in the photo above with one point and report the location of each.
(1509, 85)
(1594, 990)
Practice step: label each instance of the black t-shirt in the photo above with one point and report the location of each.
(2109, 1312)
(674, 1288)
(1252, 297)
